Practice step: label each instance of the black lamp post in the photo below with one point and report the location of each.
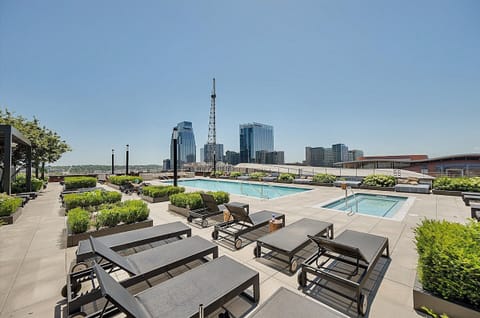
(113, 161)
(126, 169)
(175, 140)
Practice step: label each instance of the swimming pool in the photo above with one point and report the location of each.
(260, 190)
(371, 204)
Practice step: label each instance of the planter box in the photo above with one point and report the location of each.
(73, 239)
(440, 305)
(10, 219)
(154, 200)
(447, 192)
(113, 185)
(367, 187)
(183, 211)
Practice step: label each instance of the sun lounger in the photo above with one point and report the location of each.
(269, 178)
(413, 188)
(475, 210)
(349, 183)
(140, 266)
(242, 223)
(210, 208)
(470, 197)
(302, 181)
(360, 250)
(134, 238)
(286, 303)
(293, 238)
(211, 285)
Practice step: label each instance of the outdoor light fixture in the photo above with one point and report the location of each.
(126, 164)
(113, 161)
(175, 140)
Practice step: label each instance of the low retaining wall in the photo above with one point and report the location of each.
(183, 211)
(367, 187)
(154, 200)
(438, 305)
(447, 192)
(10, 219)
(73, 239)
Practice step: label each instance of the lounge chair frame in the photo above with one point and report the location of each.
(209, 209)
(279, 240)
(470, 197)
(242, 223)
(124, 240)
(332, 250)
(75, 302)
(148, 303)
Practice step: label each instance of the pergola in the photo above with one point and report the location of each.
(10, 138)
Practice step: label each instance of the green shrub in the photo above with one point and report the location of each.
(257, 175)
(78, 220)
(161, 191)
(133, 211)
(457, 184)
(193, 200)
(216, 174)
(8, 204)
(449, 259)
(19, 185)
(324, 178)
(79, 182)
(90, 199)
(286, 177)
(220, 197)
(108, 217)
(379, 180)
(235, 174)
(123, 180)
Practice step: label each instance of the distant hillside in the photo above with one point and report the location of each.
(84, 169)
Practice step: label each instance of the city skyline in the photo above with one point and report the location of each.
(387, 78)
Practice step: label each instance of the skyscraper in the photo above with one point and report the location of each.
(254, 137)
(208, 153)
(186, 144)
(340, 152)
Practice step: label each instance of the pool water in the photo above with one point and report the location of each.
(263, 191)
(370, 204)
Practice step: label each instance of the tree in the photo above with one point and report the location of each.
(47, 145)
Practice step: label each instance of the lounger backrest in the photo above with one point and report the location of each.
(209, 202)
(338, 248)
(107, 253)
(238, 213)
(117, 294)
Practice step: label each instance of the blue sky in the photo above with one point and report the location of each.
(386, 77)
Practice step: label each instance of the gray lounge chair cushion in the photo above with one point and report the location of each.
(285, 303)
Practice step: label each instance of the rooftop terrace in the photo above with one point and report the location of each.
(34, 260)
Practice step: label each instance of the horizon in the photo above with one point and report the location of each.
(385, 78)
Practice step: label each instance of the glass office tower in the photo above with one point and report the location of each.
(186, 150)
(254, 137)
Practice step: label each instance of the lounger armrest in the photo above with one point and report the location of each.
(339, 248)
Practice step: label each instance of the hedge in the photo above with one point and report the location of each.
(78, 220)
(257, 175)
(379, 180)
(161, 191)
(122, 180)
(109, 215)
(324, 178)
(286, 177)
(193, 200)
(449, 260)
(8, 204)
(235, 174)
(79, 182)
(90, 199)
(19, 185)
(457, 184)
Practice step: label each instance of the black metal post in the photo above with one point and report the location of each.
(126, 169)
(113, 161)
(175, 137)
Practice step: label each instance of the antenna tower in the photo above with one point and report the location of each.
(212, 132)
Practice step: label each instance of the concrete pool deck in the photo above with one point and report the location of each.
(34, 260)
